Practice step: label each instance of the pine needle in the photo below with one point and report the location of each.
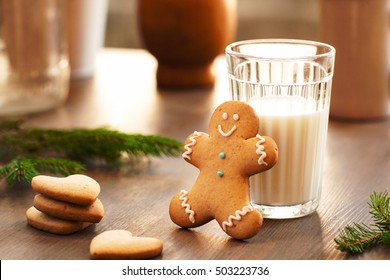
(24, 169)
(25, 152)
(380, 210)
(357, 238)
(18, 171)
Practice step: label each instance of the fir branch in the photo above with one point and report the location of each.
(57, 166)
(24, 152)
(85, 144)
(356, 238)
(18, 171)
(24, 169)
(380, 210)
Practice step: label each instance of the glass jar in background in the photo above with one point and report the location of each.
(34, 69)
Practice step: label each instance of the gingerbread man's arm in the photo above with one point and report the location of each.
(262, 154)
(191, 147)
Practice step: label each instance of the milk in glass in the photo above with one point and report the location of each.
(299, 130)
(288, 82)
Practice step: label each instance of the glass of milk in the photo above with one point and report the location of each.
(288, 83)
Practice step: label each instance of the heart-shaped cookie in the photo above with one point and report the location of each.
(78, 189)
(122, 245)
(69, 211)
(47, 223)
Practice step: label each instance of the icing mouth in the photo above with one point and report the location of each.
(226, 134)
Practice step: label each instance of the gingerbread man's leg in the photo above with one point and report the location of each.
(185, 211)
(243, 222)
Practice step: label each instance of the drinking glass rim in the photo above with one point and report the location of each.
(331, 51)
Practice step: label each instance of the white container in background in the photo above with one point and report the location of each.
(86, 21)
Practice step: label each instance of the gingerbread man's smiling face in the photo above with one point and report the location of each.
(234, 119)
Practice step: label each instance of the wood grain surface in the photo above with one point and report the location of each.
(123, 96)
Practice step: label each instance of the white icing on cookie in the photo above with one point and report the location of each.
(237, 216)
(225, 116)
(226, 134)
(187, 206)
(260, 150)
(188, 151)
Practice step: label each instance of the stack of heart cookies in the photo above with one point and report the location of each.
(65, 205)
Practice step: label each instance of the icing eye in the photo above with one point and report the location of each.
(236, 117)
(225, 116)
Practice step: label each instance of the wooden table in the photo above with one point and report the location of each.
(123, 96)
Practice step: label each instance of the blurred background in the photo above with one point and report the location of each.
(256, 19)
(176, 33)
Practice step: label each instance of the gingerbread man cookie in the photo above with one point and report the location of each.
(226, 157)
